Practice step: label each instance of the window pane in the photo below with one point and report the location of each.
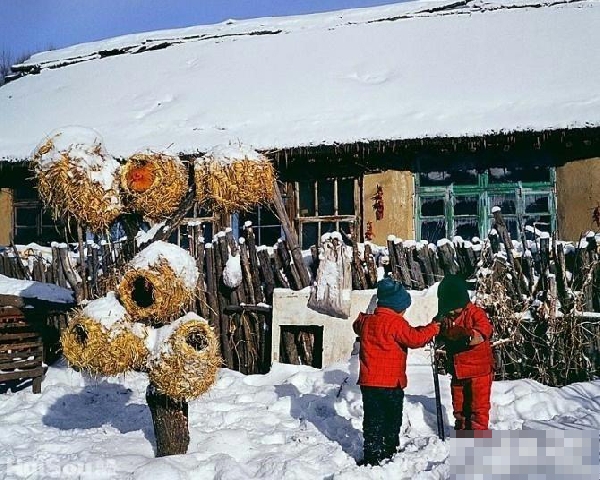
(466, 205)
(47, 220)
(441, 178)
(433, 230)
(174, 237)
(24, 235)
(507, 203)
(25, 193)
(536, 203)
(307, 199)
(346, 196)
(250, 216)
(540, 222)
(431, 207)
(26, 216)
(267, 217)
(328, 227)
(309, 234)
(207, 231)
(184, 239)
(519, 174)
(49, 234)
(325, 197)
(268, 235)
(466, 227)
(434, 178)
(512, 225)
(345, 227)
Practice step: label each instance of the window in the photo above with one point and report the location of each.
(265, 225)
(324, 206)
(31, 222)
(461, 203)
(196, 216)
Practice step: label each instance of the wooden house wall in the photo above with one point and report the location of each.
(398, 203)
(578, 193)
(394, 165)
(6, 216)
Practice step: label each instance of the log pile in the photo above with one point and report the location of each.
(518, 294)
(21, 349)
(544, 306)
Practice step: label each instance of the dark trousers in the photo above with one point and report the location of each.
(381, 423)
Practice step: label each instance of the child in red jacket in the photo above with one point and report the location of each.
(466, 332)
(385, 337)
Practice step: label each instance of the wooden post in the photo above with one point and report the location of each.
(289, 348)
(224, 320)
(401, 261)
(278, 270)
(500, 226)
(211, 292)
(425, 262)
(314, 267)
(267, 272)
(246, 272)
(82, 263)
(289, 266)
(253, 259)
(394, 267)
(291, 237)
(23, 272)
(95, 267)
(438, 273)
(203, 304)
(371, 268)
(66, 267)
(446, 256)
(170, 418)
(38, 269)
(415, 269)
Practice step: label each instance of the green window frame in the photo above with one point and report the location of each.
(444, 211)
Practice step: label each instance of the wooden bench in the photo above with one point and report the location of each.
(21, 349)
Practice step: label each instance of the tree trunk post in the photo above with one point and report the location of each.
(170, 419)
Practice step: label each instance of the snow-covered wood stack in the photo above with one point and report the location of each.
(543, 297)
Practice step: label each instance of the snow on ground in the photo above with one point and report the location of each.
(294, 423)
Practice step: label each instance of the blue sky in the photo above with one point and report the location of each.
(27, 26)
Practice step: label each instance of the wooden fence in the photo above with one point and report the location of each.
(241, 316)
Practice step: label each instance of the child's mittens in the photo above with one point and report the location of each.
(457, 333)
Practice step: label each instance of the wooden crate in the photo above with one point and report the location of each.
(21, 349)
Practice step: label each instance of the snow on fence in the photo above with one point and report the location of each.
(543, 295)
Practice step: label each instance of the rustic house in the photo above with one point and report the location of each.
(414, 119)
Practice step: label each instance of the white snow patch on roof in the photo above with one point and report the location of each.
(321, 79)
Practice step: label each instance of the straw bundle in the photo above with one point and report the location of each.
(233, 178)
(187, 363)
(159, 284)
(77, 177)
(88, 344)
(153, 184)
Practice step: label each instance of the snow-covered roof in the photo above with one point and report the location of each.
(410, 70)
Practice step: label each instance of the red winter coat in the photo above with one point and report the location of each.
(477, 360)
(385, 337)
